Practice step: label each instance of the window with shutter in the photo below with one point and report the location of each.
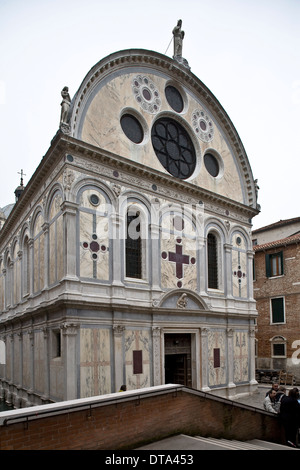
(277, 306)
(274, 264)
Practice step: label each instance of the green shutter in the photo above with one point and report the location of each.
(268, 265)
(281, 261)
(277, 310)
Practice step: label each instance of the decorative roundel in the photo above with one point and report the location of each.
(146, 94)
(203, 125)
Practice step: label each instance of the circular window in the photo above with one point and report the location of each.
(94, 199)
(132, 128)
(173, 147)
(174, 98)
(211, 164)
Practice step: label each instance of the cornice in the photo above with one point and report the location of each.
(63, 144)
(46, 165)
(156, 177)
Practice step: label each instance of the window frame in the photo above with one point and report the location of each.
(218, 262)
(272, 322)
(276, 340)
(269, 264)
(144, 252)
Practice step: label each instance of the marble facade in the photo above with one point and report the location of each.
(72, 322)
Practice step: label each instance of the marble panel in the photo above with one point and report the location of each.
(52, 253)
(39, 361)
(57, 379)
(55, 206)
(217, 341)
(36, 264)
(38, 225)
(183, 272)
(137, 340)
(239, 274)
(42, 261)
(60, 247)
(26, 361)
(86, 200)
(241, 356)
(95, 365)
(1, 292)
(94, 246)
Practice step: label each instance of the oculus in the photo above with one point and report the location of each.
(202, 125)
(132, 128)
(173, 147)
(94, 200)
(174, 98)
(211, 164)
(146, 94)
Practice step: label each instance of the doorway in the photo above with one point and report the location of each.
(178, 368)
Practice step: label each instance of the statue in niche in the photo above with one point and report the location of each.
(65, 105)
(178, 36)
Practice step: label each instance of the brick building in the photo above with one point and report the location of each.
(277, 293)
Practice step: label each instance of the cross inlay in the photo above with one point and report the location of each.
(179, 258)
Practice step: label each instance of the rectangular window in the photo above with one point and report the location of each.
(279, 349)
(133, 247)
(217, 361)
(277, 306)
(274, 264)
(137, 362)
(212, 264)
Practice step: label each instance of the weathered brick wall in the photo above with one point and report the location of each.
(288, 286)
(128, 424)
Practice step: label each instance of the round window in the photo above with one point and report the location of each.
(211, 164)
(173, 148)
(174, 98)
(94, 199)
(132, 128)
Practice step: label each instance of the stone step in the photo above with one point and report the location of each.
(237, 445)
(185, 442)
(271, 445)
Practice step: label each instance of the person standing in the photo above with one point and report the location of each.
(290, 416)
(269, 402)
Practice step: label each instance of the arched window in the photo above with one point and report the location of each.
(9, 282)
(212, 261)
(26, 267)
(133, 244)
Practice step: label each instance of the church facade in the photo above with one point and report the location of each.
(128, 257)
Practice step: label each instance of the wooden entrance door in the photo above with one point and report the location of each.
(178, 359)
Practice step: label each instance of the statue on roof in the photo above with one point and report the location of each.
(65, 106)
(178, 36)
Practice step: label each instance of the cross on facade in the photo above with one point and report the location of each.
(179, 258)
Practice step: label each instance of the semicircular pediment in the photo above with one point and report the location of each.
(142, 105)
(182, 300)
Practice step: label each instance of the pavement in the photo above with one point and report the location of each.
(256, 398)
